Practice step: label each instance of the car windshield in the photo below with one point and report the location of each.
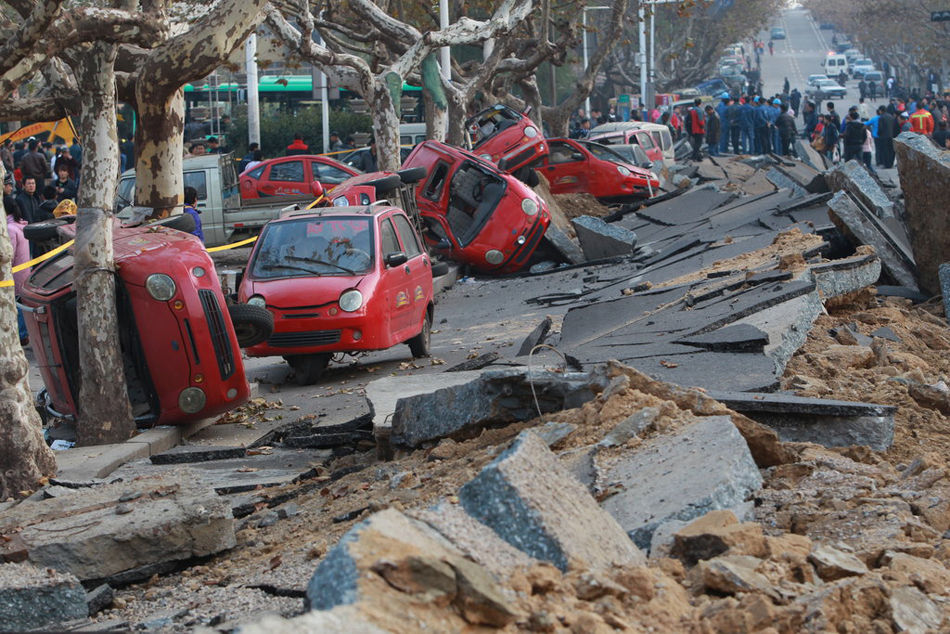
(605, 153)
(487, 124)
(314, 247)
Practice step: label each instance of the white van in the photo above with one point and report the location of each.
(412, 133)
(834, 65)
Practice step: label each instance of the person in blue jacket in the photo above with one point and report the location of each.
(191, 208)
(725, 127)
(763, 139)
(747, 125)
(774, 111)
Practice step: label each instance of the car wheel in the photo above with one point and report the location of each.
(385, 184)
(308, 367)
(421, 344)
(252, 324)
(46, 229)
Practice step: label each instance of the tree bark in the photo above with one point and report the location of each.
(105, 415)
(24, 456)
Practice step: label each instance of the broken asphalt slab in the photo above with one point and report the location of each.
(855, 179)
(600, 240)
(527, 497)
(33, 598)
(702, 467)
(494, 397)
(924, 171)
(102, 531)
(827, 422)
(863, 227)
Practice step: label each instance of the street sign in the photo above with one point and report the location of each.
(940, 16)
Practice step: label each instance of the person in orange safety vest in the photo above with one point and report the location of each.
(922, 122)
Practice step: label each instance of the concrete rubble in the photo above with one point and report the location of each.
(731, 434)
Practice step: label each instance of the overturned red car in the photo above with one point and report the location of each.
(475, 214)
(509, 139)
(340, 279)
(575, 166)
(180, 348)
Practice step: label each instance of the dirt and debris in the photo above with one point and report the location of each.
(455, 535)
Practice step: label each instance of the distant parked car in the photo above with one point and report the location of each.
(860, 67)
(875, 76)
(574, 166)
(813, 79)
(777, 33)
(473, 213)
(827, 89)
(290, 175)
(826, 26)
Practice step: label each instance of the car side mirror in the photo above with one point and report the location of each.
(316, 188)
(396, 258)
(647, 165)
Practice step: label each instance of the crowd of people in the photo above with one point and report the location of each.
(758, 124)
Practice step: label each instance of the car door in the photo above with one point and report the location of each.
(649, 145)
(284, 178)
(419, 275)
(396, 282)
(329, 176)
(566, 168)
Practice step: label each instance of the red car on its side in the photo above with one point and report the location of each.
(509, 139)
(340, 279)
(182, 360)
(293, 175)
(575, 166)
(475, 214)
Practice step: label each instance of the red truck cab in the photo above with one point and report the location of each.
(182, 360)
(475, 214)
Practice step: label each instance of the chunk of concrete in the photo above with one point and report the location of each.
(600, 240)
(120, 527)
(563, 244)
(832, 564)
(494, 397)
(33, 599)
(527, 497)
(392, 554)
(703, 467)
(823, 421)
(732, 338)
(912, 610)
(924, 172)
(535, 337)
(854, 178)
(862, 227)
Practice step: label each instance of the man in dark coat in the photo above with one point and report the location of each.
(886, 130)
(786, 130)
(35, 164)
(854, 136)
(29, 199)
(713, 127)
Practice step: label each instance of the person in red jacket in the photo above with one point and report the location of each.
(696, 126)
(298, 146)
(922, 122)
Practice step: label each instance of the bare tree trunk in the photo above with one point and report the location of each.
(24, 456)
(437, 120)
(385, 124)
(105, 415)
(159, 180)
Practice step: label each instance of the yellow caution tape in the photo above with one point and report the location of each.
(314, 203)
(42, 258)
(233, 245)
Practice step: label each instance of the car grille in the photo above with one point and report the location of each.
(305, 338)
(531, 242)
(219, 333)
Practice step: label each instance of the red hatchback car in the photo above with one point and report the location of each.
(509, 139)
(182, 359)
(340, 279)
(291, 175)
(584, 167)
(475, 214)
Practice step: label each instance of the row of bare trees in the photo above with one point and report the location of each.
(81, 61)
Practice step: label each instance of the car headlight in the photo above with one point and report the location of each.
(160, 286)
(257, 300)
(192, 400)
(494, 257)
(351, 300)
(654, 177)
(530, 132)
(529, 206)
(623, 170)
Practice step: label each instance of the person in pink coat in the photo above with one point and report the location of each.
(21, 254)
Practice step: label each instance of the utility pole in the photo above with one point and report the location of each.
(253, 102)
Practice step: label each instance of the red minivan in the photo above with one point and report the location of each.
(340, 279)
(474, 213)
(293, 175)
(182, 360)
